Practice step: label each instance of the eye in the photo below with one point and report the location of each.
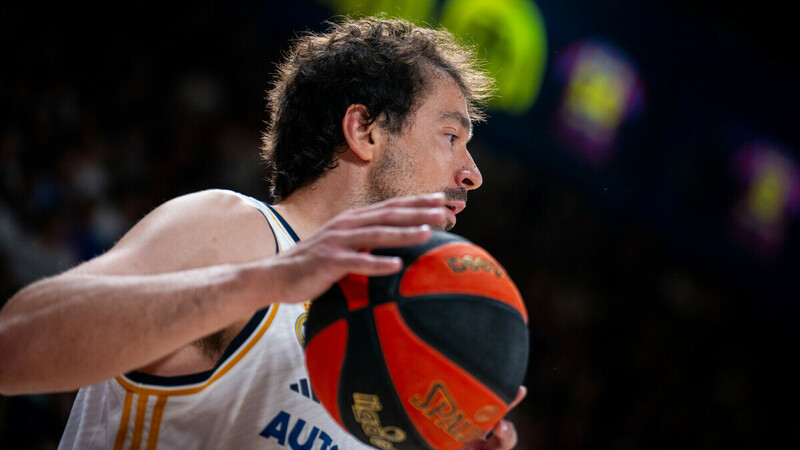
(452, 138)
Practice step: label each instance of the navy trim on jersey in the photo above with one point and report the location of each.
(284, 223)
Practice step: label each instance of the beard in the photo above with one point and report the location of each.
(393, 176)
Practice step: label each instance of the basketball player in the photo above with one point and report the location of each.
(188, 333)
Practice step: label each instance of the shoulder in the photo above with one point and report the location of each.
(198, 229)
(211, 207)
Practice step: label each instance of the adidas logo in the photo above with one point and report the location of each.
(304, 389)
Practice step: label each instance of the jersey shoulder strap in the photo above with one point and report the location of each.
(285, 237)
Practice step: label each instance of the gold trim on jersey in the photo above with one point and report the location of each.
(155, 422)
(138, 424)
(123, 423)
(222, 370)
(139, 421)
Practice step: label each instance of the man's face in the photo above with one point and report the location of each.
(431, 154)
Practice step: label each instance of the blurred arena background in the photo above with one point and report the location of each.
(642, 186)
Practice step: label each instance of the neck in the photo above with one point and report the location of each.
(309, 208)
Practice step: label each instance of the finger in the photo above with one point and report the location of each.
(421, 200)
(384, 237)
(395, 216)
(521, 393)
(370, 265)
(504, 436)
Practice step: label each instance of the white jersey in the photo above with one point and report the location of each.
(257, 397)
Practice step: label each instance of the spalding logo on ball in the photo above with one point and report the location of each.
(430, 357)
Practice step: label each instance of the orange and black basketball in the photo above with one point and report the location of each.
(429, 357)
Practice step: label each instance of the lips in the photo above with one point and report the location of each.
(456, 207)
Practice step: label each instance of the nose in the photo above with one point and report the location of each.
(468, 176)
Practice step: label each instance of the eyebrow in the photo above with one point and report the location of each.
(460, 118)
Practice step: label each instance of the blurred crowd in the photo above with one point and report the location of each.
(99, 125)
(633, 347)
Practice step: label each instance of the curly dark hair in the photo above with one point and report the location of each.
(383, 64)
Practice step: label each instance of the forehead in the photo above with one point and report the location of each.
(444, 102)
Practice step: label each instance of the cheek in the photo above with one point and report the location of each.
(429, 163)
(434, 172)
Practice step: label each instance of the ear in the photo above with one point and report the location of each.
(363, 138)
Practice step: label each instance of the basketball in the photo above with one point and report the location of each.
(430, 357)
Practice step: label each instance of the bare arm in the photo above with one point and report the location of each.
(190, 268)
(104, 325)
